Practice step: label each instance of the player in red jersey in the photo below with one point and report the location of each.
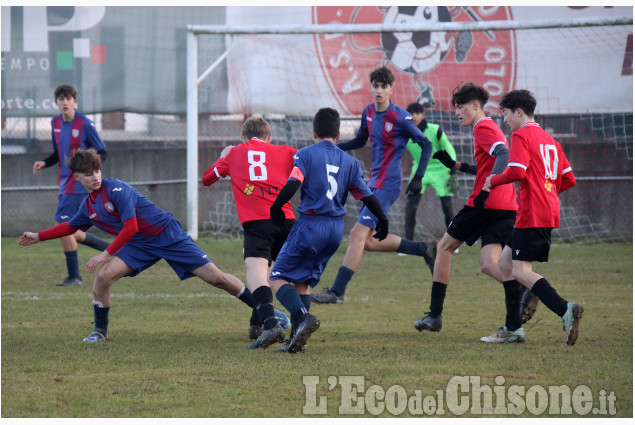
(258, 171)
(542, 171)
(488, 215)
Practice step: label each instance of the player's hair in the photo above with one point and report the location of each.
(65, 91)
(415, 108)
(326, 123)
(256, 127)
(469, 92)
(382, 75)
(84, 161)
(519, 99)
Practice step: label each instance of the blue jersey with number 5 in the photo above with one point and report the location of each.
(329, 175)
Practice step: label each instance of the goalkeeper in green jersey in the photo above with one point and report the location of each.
(437, 175)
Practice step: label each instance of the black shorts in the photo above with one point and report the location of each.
(530, 244)
(492, 226)
(262, 239)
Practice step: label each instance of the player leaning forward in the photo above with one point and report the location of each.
(537, 162)
(144, 234)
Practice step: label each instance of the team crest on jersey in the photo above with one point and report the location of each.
(249, 189)
(548, 186)
(75, 132)
(388, 127)
(109, 207)
(427, 65)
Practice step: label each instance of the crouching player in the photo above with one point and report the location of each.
(325, 175)
(144, 234)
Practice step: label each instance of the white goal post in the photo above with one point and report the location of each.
(194, 79)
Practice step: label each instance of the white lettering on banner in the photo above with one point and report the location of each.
(354, 83)
(495, 72)
(30, 64)
(36, 28)
(461, 395)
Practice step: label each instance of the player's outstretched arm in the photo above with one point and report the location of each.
(286, 193)
(372, 203)
(28, 238)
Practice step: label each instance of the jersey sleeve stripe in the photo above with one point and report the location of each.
(517, 164)
(494, 147)
(566, 170)
(217, 175)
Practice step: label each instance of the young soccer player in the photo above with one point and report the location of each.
(144, 234)
(442, 179)
(71, 131)
(258, 171)
(486, 215)
(389, 128)
(539, 165)
(325, 175)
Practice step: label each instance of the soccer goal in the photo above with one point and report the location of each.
(579, 68)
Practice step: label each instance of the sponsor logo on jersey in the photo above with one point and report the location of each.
(57, 130)
(93, 215)
(75, 132)
(117, 189)
(548, 186)
(109, 207)
(249, 189)
(425, 64)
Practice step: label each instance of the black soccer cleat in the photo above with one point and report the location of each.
(429, 323)
(327, 297)
(431, 255)
(307, 326)
(268, 337)
(255, 331)
(528, 305)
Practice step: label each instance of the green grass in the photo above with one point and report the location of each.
(177, 349)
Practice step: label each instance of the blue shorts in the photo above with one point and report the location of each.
(310, 245)
(173, 245)
(386, 198)
(67, 206)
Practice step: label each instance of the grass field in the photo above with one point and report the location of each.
(177, 349)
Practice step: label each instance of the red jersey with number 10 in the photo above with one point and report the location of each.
(258, 171)
(545, 172)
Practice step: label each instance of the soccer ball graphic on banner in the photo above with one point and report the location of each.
(418, 52)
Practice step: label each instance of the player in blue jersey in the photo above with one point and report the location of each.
(324, 174)
(144, 234)
(71, 131)
(389, 128)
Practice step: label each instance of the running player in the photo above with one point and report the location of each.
(71, 131)
(488, 215)
(258, 171)
(325, 175)
(389, 128)
(144, 234)
(539, 165)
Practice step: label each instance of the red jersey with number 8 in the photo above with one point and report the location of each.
(258, 171)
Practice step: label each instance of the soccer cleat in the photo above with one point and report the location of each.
(429, 258)
(429, 323)
(96, 336)
(283, 319)
(70, 281)
(327, 297)
(307, 326)
(284, 348)
(255, 331)
(268, 337)
(528, 305)
(571, 321)
(502, 335)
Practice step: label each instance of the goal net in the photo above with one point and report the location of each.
(578, 67)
